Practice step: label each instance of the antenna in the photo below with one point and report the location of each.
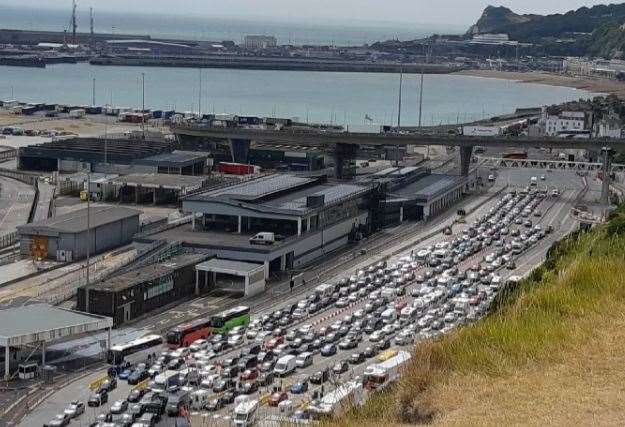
(74, 25)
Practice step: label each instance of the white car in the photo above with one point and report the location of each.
(74, 409)
(235, 340)
(198, 345)
(342, 302)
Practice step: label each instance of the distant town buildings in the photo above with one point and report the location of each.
(260, 42)
(593, 67)
(492, 39)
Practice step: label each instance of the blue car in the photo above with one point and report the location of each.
(123, 375)
(299, 388)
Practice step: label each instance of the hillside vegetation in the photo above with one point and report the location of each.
(551, 352)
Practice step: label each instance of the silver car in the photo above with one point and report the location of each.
(74, 409)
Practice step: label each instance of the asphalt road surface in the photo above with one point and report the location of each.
(555, 212)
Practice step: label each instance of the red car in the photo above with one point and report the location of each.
(249, 374)
(399, 306)
(272, 343)
(277, 397)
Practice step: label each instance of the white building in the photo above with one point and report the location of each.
(610, 127)
(260, 42)
(566, 121)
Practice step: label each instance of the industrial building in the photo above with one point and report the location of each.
(155, 188)
(72, 236)
(112, 156)
(309, 217)
(424, 198)
(260, 42)
(130, 295)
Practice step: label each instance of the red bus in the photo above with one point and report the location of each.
(184, 335)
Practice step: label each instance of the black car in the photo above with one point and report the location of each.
(320, 376)
(137, 376)
(370, 352)
(357, 358)
(385, 344)
(109, 385)
(97, 399)
(328, 350)
(248, 362)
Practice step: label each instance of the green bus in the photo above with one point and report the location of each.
(223, 322)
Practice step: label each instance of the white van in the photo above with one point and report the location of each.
(303, 360)
(245, 413)
(264, 238)
(285, 366)
(389, 315)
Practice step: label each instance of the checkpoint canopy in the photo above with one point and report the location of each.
(43, 323)
(245, 277)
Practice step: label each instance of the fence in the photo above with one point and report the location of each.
(8, 240)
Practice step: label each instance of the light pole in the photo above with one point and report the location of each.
(88, 224)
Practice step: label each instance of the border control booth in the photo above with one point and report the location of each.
(236, 276)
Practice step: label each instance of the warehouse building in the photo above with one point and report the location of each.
(71, 236)
(305, 217)
(111, 156)
(136, 293)
(424, 198)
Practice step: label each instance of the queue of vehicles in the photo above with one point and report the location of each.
(212, 363)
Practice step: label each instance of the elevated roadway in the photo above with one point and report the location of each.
(344, 145)
(329, 139)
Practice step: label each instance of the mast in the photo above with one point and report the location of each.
(74, 25)
(91, 30)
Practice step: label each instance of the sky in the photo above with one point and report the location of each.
(433, 12)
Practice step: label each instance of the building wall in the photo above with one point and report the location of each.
(106, 237)
(134, 300)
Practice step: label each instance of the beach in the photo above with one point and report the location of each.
(590, 84)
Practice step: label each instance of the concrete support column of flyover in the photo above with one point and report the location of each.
(465, 160)
(343, 153)
(608, 155)
(240, 150)
(7, 361)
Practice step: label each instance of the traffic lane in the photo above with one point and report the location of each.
(330, 362)
(77, 390)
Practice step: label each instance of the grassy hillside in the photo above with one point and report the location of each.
(551, 352)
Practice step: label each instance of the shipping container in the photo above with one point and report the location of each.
(29, 111)
(249, 120)
(236, 168)
(94, 110)
(77, 113)
(157, 114)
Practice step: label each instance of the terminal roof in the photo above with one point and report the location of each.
(430, 186)
(229, 267)
(43, 322)
(76, 222)
(177, 158)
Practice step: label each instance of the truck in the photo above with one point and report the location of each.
(237, 168)
(380, 375)
(481, 130)
(165, 381)
(245, 413)
(337, 402)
